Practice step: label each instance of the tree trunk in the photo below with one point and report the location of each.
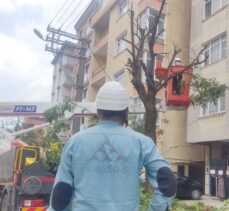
(150, 127)
(151, 119)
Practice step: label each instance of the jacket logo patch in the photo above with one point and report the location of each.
(106, 152)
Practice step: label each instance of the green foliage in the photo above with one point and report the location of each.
(56, 113)
(225, 206)
(179, 205)
(52, 144)
(145, 199)
(137, 123)
(206, 90)
(52, 152)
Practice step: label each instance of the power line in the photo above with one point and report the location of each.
(78, 16)
(65, 12)
(62, 6)
(80, 2)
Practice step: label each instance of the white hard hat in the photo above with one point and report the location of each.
(112, 96)
(177, 59)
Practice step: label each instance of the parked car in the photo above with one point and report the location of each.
(187, 188)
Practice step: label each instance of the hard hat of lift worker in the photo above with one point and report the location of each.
(112, 96)
(177, 61)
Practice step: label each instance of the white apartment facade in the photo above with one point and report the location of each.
(63, 79)
(209, 125)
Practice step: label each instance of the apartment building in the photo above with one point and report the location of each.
(208, 125)
(83, 29)
(63, 78)
(110, 24)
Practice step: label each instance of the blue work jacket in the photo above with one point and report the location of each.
(100, 168)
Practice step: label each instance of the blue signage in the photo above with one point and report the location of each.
(25, 109)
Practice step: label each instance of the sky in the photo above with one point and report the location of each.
(25, 66)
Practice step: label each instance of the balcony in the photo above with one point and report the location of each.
(98, 76)
(66, 91)
(101, 18)
(67, 80)
(149, 3)
(101, 44)
(68, 62)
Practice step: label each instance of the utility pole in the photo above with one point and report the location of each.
(55, 39)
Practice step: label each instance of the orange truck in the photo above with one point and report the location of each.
(25, 184)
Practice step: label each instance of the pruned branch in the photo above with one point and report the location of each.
(156, 22)
(132, 32)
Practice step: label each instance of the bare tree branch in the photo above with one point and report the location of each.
(155, 23)
(132, 31)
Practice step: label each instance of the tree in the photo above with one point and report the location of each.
(146, 38)
(53, 144)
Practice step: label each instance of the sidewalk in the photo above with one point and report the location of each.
(207, 200)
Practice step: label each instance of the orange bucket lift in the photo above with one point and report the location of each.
(177, 90)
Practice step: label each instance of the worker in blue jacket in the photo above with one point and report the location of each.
(100, 166)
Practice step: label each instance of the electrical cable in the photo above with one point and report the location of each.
(74, 9)
(65, 12)
(62, 6)
(77, 17)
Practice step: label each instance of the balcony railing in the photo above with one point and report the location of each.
(99, 70)
(102, 41)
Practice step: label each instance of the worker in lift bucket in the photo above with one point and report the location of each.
(100, 166)
(177, 80)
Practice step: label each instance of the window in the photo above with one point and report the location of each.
(146, 21)
(84, 94)
(160, 28)
(120, 77)
(180, 171)
(89, 29)
(120, 43)
(82, 124)
(146, 60)
(212, 6)
(138, 109)
(208, 6)
(122, 7)
(213, 108)
(138, 105)
(216, 49)
(86, 74)
(88, 50)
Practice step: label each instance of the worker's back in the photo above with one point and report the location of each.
(106, 165)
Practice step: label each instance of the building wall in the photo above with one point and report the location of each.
(63, 79)
(174, 123)
(212, 127)
(116, 62)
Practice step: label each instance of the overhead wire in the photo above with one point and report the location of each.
(62, 6)
(74, 9)
(77, 17)
(65, 12)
